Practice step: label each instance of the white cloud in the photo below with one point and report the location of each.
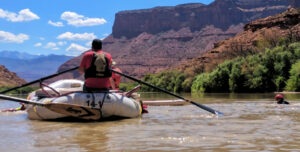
(56, 48)
(77, 36)
(79, 20)
(38, 44)
(50, 45)
(89, 44)
(8, 37)
(57, 24)
(23, 15)
(41, 38)
(76, 48)
(61, 43)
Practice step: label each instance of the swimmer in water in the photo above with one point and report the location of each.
(22, 108)
(280, 100)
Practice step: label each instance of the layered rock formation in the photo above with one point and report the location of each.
(8, 78)
(150, 40)
(221, 13)
(257, 35)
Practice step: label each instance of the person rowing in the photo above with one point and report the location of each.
(96, 65)
(116, 77)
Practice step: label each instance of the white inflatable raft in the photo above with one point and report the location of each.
(109, 103)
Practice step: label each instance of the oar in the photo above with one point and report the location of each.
(82, 112)
(129, 93)
(170, 93)
(39, 80)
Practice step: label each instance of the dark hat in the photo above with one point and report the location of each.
(97, 44)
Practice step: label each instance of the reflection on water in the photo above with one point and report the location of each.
(252, 122)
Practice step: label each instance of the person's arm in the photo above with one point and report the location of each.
(112, 83)
(82, 65)
(111, 80)
(81, 70)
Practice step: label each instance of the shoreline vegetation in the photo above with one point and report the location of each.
(277, 69)
(274, 70)
(20, 91)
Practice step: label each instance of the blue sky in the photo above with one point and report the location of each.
(64, 26)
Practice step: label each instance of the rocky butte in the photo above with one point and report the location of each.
(150, 40)
(8, 78)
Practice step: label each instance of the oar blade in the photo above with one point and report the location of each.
(82, 112)
(206, 108)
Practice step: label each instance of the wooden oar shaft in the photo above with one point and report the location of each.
(170, 93)
(4, 97)
(39, 80)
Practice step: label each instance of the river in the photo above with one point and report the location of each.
(251, 122)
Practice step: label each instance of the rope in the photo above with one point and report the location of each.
(101, 104)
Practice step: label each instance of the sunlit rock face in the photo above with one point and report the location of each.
(8, 78)
(221, 13)
(151, 40)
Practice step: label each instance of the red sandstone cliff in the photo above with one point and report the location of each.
(269, 29)
(150, 40)
(221, 13)
(8, 78)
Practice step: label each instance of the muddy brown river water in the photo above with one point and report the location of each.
(252, 122)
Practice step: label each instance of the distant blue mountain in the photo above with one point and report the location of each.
(31, 67)
(17, 55)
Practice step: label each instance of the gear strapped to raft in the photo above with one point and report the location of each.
(99, 68)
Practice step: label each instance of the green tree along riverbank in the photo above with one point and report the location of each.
(174, 81)
(276, 69)
(24, 90)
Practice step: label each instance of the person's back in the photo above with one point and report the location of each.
(95, 65)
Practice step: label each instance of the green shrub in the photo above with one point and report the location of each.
(23, 90)
(168, 80)
(201, 83)
(293, 83)
(265, 72)
(127, 86)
